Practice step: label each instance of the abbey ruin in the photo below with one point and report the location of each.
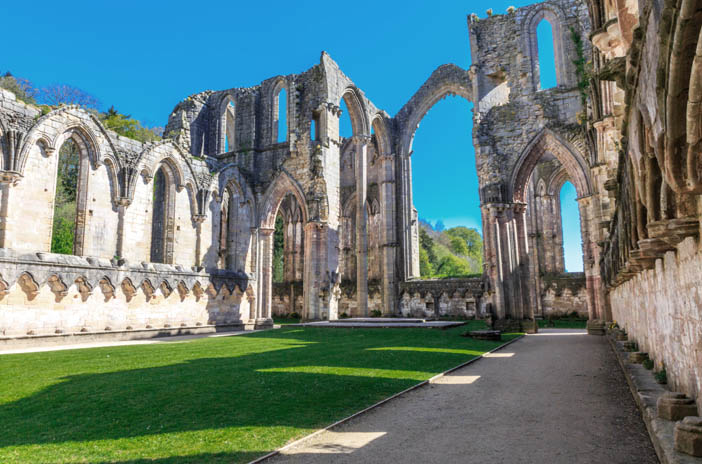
(178, 234)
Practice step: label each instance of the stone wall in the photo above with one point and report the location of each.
(661, 309)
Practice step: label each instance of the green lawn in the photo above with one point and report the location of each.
(208, 400)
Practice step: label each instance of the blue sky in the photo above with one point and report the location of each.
(144, 57)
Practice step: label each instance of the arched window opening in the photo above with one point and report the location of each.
(230, 119)
(162, 216)
(279, 250)
(282, 115)
(314, 134)
(572, 241)
(345, 126)
(69, 172)
(546, 55)
(445, 192)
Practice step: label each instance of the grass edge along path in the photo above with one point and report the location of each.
(230, 399)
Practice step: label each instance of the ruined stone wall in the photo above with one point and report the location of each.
(661, 309)
(648, 145)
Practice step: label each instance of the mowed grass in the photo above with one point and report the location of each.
(227, 399)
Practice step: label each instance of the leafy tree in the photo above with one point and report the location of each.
(22, 88)
(124, 125)
(458, 245)
(64, 224)
(426, 268)
(278, 250)
(453, 266)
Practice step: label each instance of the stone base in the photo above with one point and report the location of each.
(638, 357)
(675, 406)
(688, 436)
(33, 341)
(492, 335)
(516, 325)
(596, 327)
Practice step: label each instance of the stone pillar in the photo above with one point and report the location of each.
(198, 219)
(527, 293)
(388, 240)
(361, 224)
(122, 205)
(494, 257)
(315, 275)
(7, 180)
(265, 279)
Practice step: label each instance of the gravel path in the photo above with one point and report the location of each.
(555, 397)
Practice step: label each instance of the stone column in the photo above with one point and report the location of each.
(388, 240)
(494, 258)
(265, 272)
(198, 219)
(527, 293)
(361, 143)
(122, 205)
(7, 180)
(315, 275)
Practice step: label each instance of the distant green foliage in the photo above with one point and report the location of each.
(455, 252)
(278, 244)
(63, 232)
(126, 126)
(22, 88)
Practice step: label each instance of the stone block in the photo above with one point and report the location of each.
(674, 406)
(595, 327)
(637, 357)
(688, 436)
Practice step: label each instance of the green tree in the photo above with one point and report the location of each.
(453, 266)
(426, 248)
(64, 223)
(22, 88)
(278, 250)
(124, 125)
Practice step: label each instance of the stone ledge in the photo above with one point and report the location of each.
(646, 392)
(34, 341)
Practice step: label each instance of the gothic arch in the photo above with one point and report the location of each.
(278, 86)
(227, 122)
(556, 18)
(448, 79)
(357, 110)
(284, 184)
(379, 124)
(548, 142)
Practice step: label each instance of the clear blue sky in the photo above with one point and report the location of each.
(144, 57)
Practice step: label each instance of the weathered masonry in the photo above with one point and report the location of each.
(180, 233)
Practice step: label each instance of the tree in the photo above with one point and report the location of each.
(124, 125)
(439, 227)
(278, 248)
(23, 89)
(453, 266)
(458, 245)
(64, 94)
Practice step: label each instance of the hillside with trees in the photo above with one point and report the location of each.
(454, 252)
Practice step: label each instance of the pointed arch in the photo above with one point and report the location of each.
(357, 110)
(279, 188)
(446, 80)
(548, 142)
(557, 19)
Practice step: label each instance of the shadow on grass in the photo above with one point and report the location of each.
(242, 456)
(213, 393)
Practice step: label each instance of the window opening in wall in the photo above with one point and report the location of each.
(65, 201)
(282, 115)
(158, 220)
(572, 241)
(229, 129)
(345, 126)
(279, 250)
(547, 56)
(449, 225)
(313, 130)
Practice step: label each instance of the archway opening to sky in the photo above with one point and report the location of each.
(445, 192)
(572, 238)
(547, 56)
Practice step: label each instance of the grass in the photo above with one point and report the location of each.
(285, 321)
(563, 323)
(227, 399)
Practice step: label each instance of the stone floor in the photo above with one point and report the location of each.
(555, 397)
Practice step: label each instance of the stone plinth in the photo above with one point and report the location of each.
(674, 406)
(688, 436)
(637, 357)
(595, 327)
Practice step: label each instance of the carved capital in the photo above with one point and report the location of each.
(361, 139)
(199, 218)
(10, 177)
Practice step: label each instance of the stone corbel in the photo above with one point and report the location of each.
(10, 177)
